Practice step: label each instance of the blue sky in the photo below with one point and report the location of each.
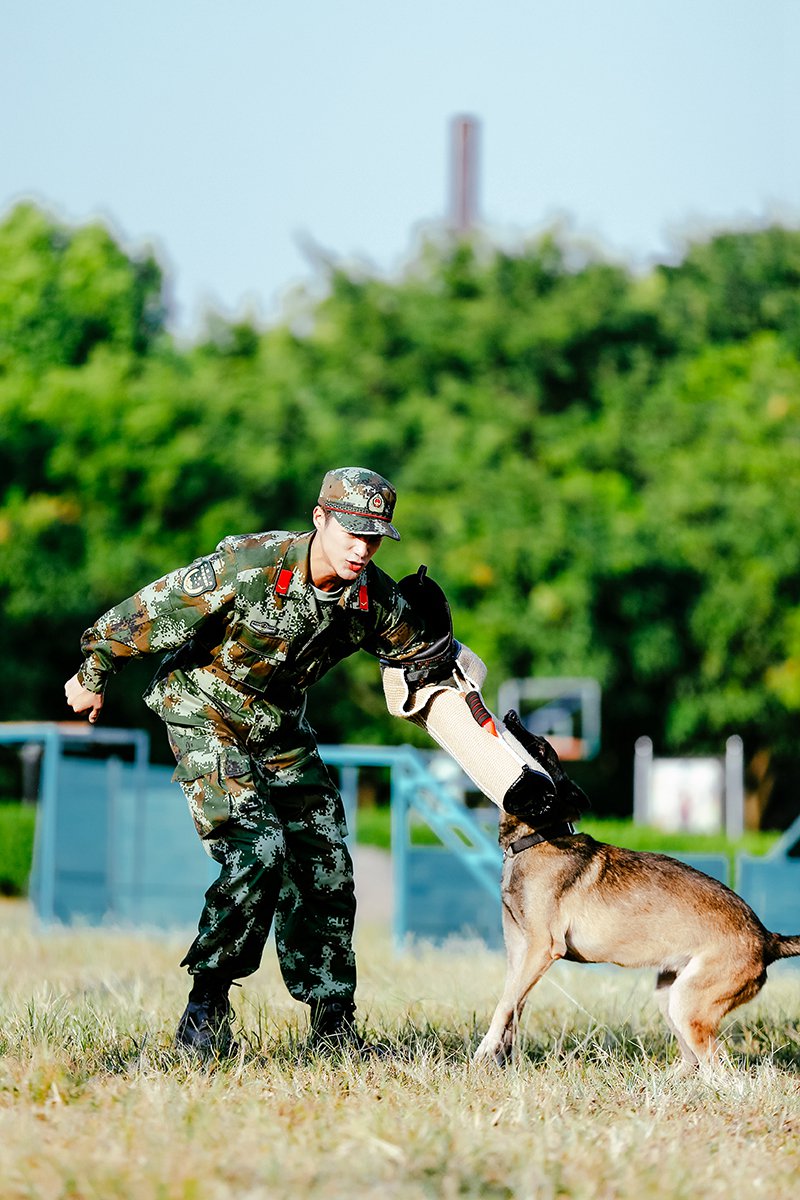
(235, 136)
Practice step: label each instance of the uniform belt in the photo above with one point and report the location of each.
(281, 696)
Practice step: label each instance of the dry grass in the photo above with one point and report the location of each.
(93, 1104)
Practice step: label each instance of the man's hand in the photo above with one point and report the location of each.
(80, 698)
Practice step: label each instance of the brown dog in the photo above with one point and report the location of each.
(567, 896)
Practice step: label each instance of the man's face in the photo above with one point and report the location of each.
(336, 554)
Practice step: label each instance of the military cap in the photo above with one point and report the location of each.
(361, 500)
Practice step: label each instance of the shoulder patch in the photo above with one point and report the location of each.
(200, 577)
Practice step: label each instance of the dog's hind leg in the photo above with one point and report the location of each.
(701, 996)
(663, 994)
(527, 962)
(704, 993)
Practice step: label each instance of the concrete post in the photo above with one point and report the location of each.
(642, 767)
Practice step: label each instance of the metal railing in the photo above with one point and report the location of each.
(415, 791)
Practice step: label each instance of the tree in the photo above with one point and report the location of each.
(63, 292)
(601, 470)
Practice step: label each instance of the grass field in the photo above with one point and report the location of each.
(93, 1103)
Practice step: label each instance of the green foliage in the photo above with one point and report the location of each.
(63, 292)
(600, 469)
(735, 286)
(17, 823)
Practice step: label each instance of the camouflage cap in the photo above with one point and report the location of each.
(361, 500)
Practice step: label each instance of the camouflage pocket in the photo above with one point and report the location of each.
(252, 658)
(216, 786)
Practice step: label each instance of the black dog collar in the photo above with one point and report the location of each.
(535, 839)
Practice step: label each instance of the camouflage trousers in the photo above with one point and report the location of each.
(271, 816)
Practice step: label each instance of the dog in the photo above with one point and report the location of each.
(567, 896)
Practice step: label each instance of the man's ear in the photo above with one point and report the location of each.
(318, 516)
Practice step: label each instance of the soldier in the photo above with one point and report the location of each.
(248, 630)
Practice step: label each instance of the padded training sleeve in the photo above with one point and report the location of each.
(454, 715)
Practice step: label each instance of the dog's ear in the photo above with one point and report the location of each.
(569, 793)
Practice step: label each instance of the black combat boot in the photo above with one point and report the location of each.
(333, 1027)
(205, 1027)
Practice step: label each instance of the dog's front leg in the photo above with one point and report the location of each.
(498, 1042)
(526, 965)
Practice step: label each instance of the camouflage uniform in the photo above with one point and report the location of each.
(247, 637)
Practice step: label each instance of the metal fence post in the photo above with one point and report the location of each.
(399, 827)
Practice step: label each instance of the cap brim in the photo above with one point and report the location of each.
(366, 525)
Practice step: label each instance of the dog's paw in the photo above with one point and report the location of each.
(491, 1053)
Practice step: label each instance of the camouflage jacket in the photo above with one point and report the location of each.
(245, 624)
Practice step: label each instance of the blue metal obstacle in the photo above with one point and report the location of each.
(115, 843)
(771, 886)
(447, 890)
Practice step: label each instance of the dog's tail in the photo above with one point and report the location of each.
(783, 947)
